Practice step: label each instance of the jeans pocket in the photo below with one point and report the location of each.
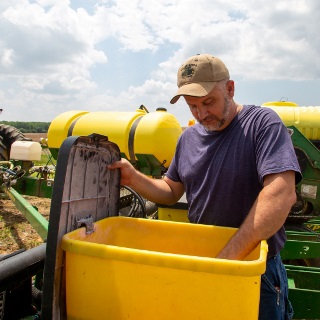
(274, 303)
(271, 300)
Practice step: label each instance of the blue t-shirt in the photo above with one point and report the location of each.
(222, 171)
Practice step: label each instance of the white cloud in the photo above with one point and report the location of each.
(7, 57)
(49, 42)
(58, 55)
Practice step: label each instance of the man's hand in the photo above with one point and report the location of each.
(128, 172)
(164, 191)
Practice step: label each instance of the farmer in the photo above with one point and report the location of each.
(237, 167)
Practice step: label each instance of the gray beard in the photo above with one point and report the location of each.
(220, 121)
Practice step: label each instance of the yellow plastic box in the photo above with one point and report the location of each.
(177, 212)
(172, 214)
(140, 269)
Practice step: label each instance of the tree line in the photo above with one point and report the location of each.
(29, 127)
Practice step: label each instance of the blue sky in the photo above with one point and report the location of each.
(57, 56)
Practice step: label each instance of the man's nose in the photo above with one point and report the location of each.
(202, 112)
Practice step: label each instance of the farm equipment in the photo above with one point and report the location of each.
(83, 193)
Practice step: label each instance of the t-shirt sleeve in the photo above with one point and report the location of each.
(274, 149)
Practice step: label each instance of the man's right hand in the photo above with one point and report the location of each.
(128, 172)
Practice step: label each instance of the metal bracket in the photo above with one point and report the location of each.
(86, 222)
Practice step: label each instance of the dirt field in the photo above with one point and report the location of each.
(35, 136)
(15, 230)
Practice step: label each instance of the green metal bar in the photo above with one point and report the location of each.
(303, 236)
(33, 186)
(297, 249)
(38, 222)
(305, 303)
(304, 291)
(304, 277)
(313, 225)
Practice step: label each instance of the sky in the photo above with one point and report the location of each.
(62, 55)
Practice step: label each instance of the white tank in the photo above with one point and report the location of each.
(26, 150)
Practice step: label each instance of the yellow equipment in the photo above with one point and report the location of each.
(305, 119)
(146, 139)
(147, 269)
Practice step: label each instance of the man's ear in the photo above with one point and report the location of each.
(230, 88)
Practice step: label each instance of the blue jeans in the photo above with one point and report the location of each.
(274, 303)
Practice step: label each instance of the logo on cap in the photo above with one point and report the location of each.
(188, 70)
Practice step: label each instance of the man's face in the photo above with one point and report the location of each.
(213, 110)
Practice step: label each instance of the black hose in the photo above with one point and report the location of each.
(22, 266)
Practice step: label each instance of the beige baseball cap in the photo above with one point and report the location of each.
(198, 76)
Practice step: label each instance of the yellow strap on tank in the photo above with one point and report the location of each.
(70, 130)
(131, 140)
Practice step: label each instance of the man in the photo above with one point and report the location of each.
(237, 167)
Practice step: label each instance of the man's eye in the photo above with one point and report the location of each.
(207, 102)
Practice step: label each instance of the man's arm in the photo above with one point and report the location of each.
(266, 216)
(164, 191)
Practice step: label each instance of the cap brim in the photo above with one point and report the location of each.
(194, 89)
